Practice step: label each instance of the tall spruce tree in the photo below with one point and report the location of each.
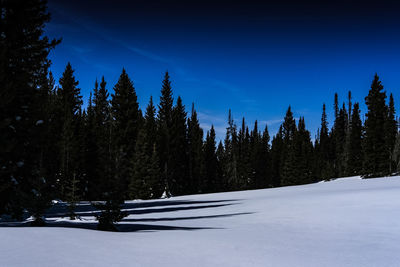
(390, 134)
(195, 146)
(230, 155)
(70, 112)
(211, 183)
(24, 66)
(375, 151)
(288, 150)
(277, 146)
(126, 124)
(102, 137)
(146, 179)
(323, 163)
(164, 121)
(354, 161)
(221, 167)
(179, 163)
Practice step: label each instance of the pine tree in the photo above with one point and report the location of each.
(98, 140)
(354, 163)
(211, 181)
(70, 107)
(288, 150)
(230, 158)
(195, 142)
(178, 164)
(126, 124)
(376, 154)
(277, 146)
(260, 158)
(390, 133)
(164, 121)
(155, 182)
(323, 151)
(222, 183)
(243, 154)
(24, 66)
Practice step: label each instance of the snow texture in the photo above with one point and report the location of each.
(345, 222)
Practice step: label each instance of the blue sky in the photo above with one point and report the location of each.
(255, 58)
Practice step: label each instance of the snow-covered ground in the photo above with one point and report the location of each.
(345, 222)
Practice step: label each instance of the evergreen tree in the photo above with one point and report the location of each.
(211, 181)
(222, 183)
(243, 155)
(339, 140)
(145, 170)
(288, 149)
(92, 166)
(230, 155)
(126, 123)
(376, 154)
(70, 107)
(178, 164)
(354, 164)
(195, 141)
(146, 179)
(99, 143)
(260, 158)
(323, 167)
(164, 121)
(24, 66)
(277, 146)
(390, 134)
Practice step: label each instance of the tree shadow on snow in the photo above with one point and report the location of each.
(61, 209)
(135, 208)
(185, 218)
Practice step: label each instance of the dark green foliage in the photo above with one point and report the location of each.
(245, 175)
(70, 111)
(354, 163)
(276, 157)
(145, 181)
(23, 69)
(323, 168)
(375, 152)
(164, 122)
(126, 123)
(195, 151)
(51, 148)
(211, 180)
(260, 158)
(111, 213)
(288, 149)
(178, 163)
(230, 158)
(298, 168)
(390, 134)
(338, 137)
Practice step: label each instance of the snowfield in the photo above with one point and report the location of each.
(345, 222)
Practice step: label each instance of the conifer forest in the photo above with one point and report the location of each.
(52, 147)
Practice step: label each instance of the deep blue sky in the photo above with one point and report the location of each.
(255, 58)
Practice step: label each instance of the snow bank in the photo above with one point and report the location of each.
(345, 222)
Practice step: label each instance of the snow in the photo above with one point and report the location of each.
(344, 222)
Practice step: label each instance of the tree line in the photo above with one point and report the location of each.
(51, 147)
